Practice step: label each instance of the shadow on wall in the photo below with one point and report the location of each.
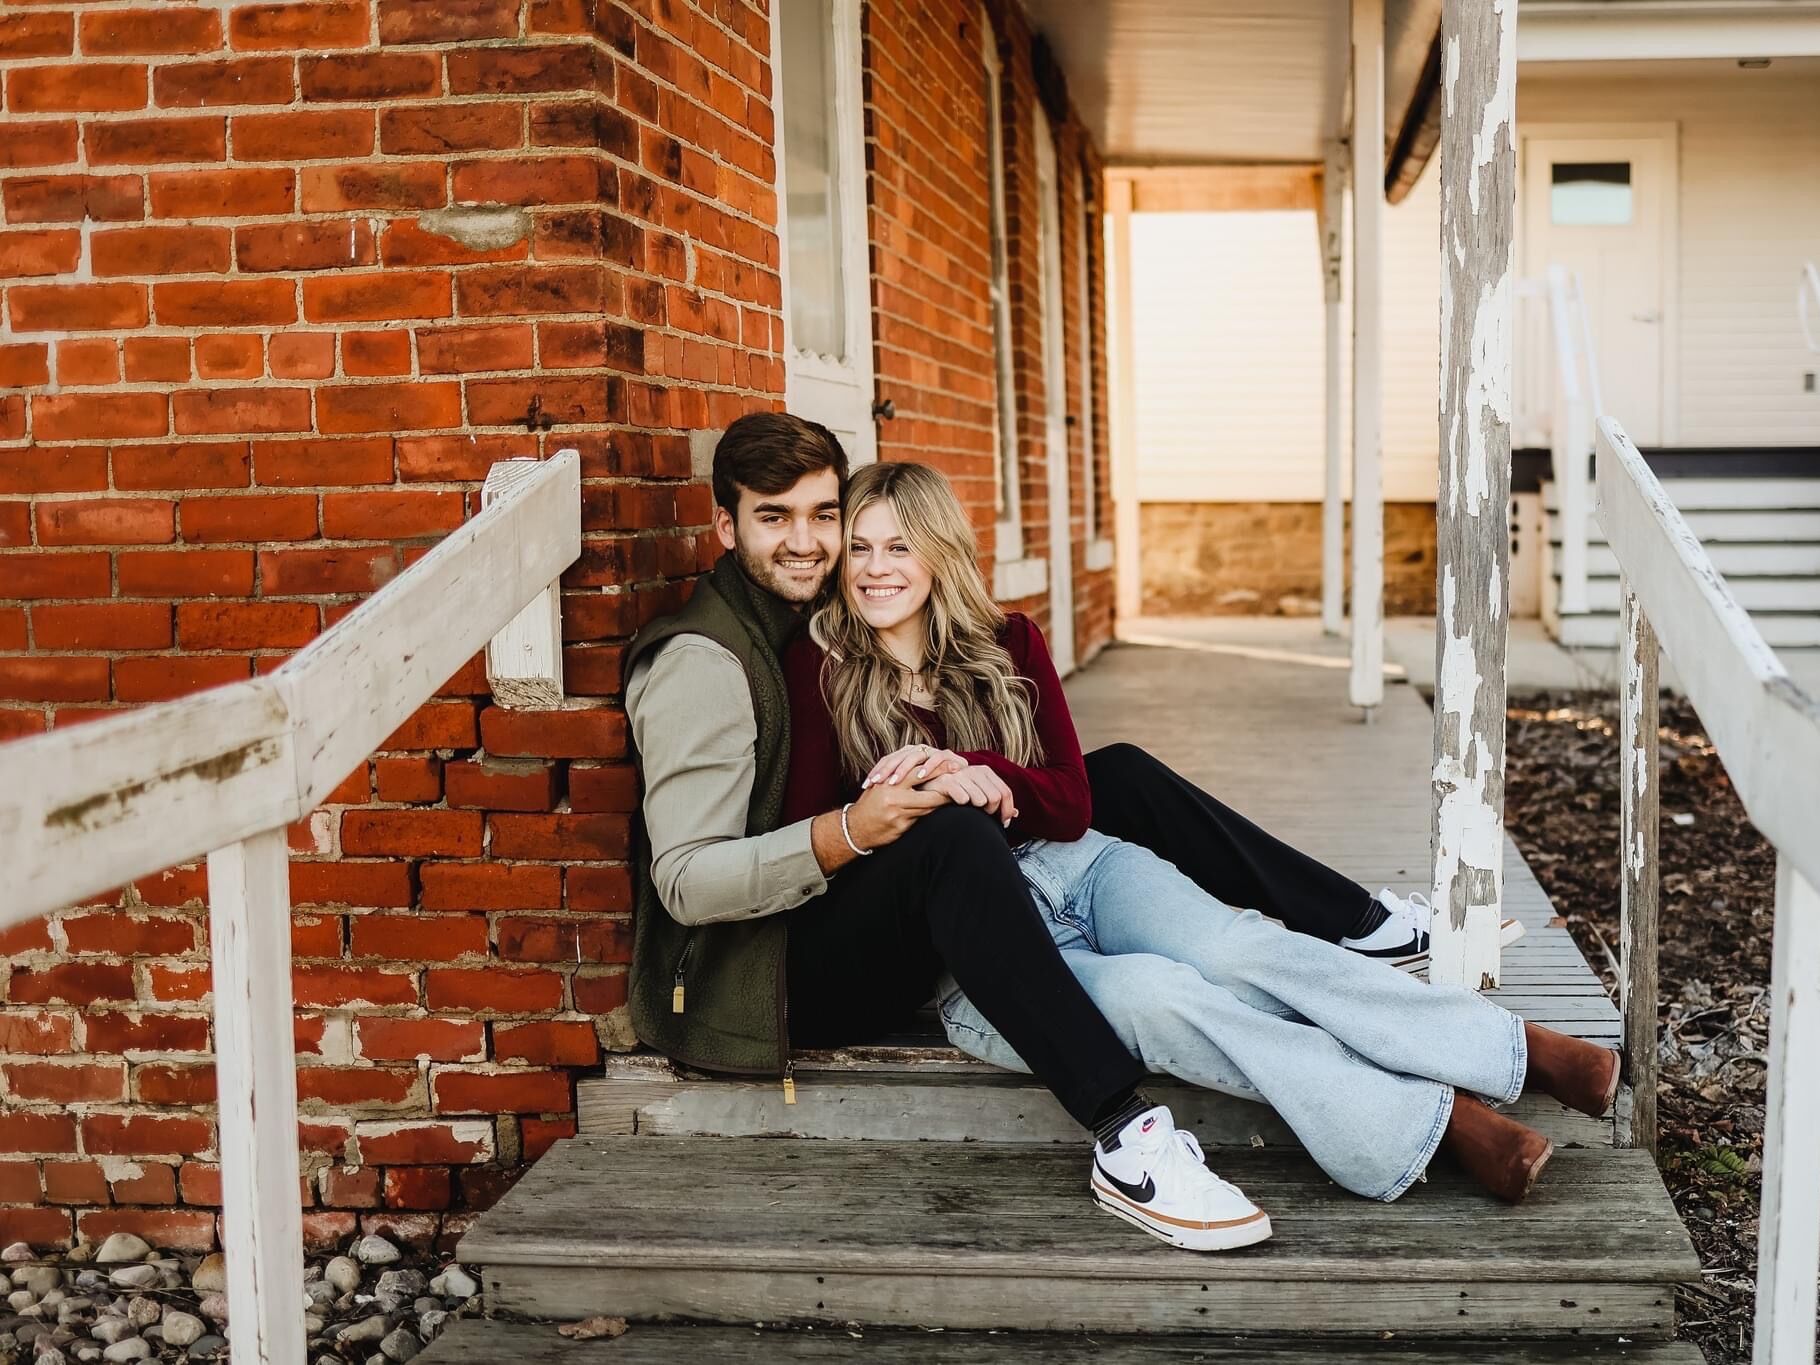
(1264, 558)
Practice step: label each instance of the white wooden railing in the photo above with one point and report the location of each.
(225, 772)
(1767, 732)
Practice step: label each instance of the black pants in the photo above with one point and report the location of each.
(867, 953)
(1143, 801)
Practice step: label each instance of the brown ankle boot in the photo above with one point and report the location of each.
(1498, 1152)
(1581, 1075)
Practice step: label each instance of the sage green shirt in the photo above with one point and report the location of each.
(692, 720)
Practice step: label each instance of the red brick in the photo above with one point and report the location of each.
(418, 937)
(50, 252)
(492, 989)
(229, 355)
(421, 1144)
(377, 298)
(388, 407)
(355, 1085)
(321, 573)
(594, 939)
(439, 129)
(247, 625)
(105, 416)
(200, 1183)
(72, 198)
(88, 360)
(20, 1183)
(369, 76)
(76, 307)
(501, 785)
(37, 1032)
(37, 35)
(156, 1183)
(390, 515)
(23, 1132)
(438, 1040)
(318, 463)
(119, 1032)
(107, 521)
(324, 1232)
(514, 402)
(90, 87)
(351, 1187)
(511, 1092)
(13, 635)
(603, 787)
(53, 469)
(222, 194)
(177, 1229)
(160, 32)
(222, 412)
(42, 143)
(298, 27)
(301, 355)
(316, 936)
(458, 350)
(417, 1187)
(599, 994)
(49, 680)
(54, 575)
(160, 251)
(158, 359)
(382, 185)
(43, 1228)
(409, 242)
(141, 142)
(597, 733)
(20, 724)
(165, 679)
(441, 459)
(16, 529)
(435, 725)
(326, 986)
(225, 303)
(249, 517)
(330, 245)
(490, 886)
(523, 69)
(163, 1083)
(349, 883)
(194, 465)
(450, 21)
(178, 981)
(103, 625)
(245, 80)
(24, 365)
(407, 778)
(303, 136)
(145, 1135)
(187, 573)
(75, 1182)
(530, 289)
(549, 1042)
(67, 1082)
(412, 833)
(28, 936)
(529, 180)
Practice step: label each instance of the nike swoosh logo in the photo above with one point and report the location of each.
(1142, 1193)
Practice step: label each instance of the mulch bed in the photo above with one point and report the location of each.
(1717, 902)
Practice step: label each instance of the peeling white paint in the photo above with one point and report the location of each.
(1488, 388)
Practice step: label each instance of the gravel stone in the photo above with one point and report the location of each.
(51, 1357)
(454, 1283)
(122, 1247)
(367, 1329)
(343, 1273)
(375, 1250)
(41, 1279)
(143, 1312)
(214, 1307)
(183, 1329)
(396, 1288)
(129, 1348)
(111, 1329)
(134, 1277)
(18, 1251)
(400, 1346)
(430, 1324)
(211, 1276)
(203, 1348)
(21, 1299)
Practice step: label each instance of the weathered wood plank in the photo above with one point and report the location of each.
(1365, 683)
(1640, 801)
(524, 660)
(482, 1342)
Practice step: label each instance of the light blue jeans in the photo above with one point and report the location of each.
(1359, 1058)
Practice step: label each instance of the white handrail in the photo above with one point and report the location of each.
(224, 773)
(1571, 436)
(1767, 733)
(1809, 288)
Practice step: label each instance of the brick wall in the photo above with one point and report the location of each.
(277, 284)
(280, 281)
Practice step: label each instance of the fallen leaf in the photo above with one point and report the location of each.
(589, 1328)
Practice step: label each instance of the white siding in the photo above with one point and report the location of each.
(1228, 306)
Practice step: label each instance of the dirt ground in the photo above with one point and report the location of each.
(1718, 897)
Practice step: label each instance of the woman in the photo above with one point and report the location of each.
(909, 669)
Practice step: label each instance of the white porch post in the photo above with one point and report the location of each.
(1333, 505)
(1478, 214)
(1367, 683)
(1122, 390)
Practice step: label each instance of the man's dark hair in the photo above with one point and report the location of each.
(768, 452)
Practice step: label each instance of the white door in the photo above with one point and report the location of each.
(821, 185)
(1604, 206)
(1055, 405)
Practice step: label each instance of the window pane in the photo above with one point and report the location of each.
(812, 179)
(1590, 194)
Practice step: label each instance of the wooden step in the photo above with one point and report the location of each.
(931, 1094)
(1758, 595)
(1599, 630)
(995, 1235)
(481, 1342)
(1709, 495)
(1773, 559)
(1747, 526)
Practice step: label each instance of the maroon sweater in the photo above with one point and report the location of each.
(1052, 797)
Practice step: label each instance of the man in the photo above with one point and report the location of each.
(744, 945)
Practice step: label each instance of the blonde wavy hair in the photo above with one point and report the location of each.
(982, 701)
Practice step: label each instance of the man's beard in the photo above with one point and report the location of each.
(768, 575)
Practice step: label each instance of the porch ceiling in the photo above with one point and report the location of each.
(1224, 82)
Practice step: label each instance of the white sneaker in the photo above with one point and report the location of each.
(1157, 1178)
(1402, 939)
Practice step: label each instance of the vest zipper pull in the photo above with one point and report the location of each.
(676, 995)
(789, 1082)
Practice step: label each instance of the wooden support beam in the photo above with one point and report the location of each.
(1640, 801)
(256, 1078)
(1333, 500)
(1122, 390)
(1222, 189)
(524, 661)
(1478, 215)
(1366, 685)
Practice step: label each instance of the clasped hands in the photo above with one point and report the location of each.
(907, 784)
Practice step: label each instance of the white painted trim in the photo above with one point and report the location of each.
(524, 660)
(1331, 224)
(1090, 480)
(1055, 396)
(1099, 555)
(1665, 32)
(1365, 686)
(1015, 579)
(1121, 389)
(1007, 481)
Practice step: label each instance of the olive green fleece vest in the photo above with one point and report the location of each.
(728, 979)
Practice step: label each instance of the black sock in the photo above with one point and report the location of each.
(1375, 914)
(1117, 1114)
